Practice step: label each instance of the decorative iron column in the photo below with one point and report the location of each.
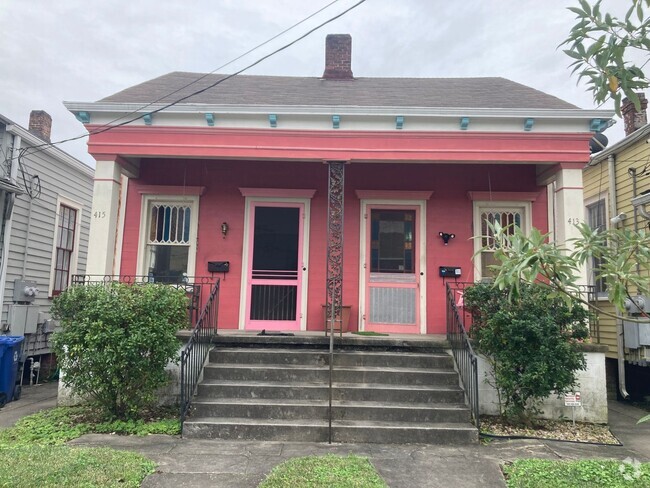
(334, 284)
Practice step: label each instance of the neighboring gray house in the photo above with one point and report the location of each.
(45, 203)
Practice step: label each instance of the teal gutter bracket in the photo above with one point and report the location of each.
(464, 123)
(336, 121)
(209, 118)
(83, 117)
(273, 120)
(147, 119)
(399, 122)
(528, 124)
(598, 125)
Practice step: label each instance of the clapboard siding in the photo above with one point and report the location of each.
(30, 249)
(596, 182)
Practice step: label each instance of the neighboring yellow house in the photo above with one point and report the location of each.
(612, 180)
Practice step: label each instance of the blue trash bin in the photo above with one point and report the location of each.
(10, 349)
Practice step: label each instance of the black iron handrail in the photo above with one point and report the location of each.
(195, 352)
(464, 355)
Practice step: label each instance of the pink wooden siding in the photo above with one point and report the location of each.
(449, 210)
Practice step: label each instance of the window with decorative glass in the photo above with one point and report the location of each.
(168, 241)
(596, 218)
(509, 217)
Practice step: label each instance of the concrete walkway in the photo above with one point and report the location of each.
(33, 399)
(243, 464)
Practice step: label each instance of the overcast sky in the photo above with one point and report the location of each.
(80, 50)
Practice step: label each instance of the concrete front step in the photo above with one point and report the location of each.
(347, 374)
(341, 391)
(341, 410)
(317, 431)
(321, 358)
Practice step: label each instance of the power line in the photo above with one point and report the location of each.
(205, 75)
(42, 147)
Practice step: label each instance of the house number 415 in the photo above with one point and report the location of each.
(99, 215)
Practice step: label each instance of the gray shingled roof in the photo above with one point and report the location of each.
(362, 92)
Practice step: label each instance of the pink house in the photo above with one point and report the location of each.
(278, 184)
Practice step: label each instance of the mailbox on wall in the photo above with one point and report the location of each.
(218, 266)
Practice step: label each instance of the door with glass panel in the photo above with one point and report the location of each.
(392, 270)
(276, 267)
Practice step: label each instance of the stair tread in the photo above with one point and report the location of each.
(339, 353)
(326, 368)
(278, 384)
(336, 403)
(335, 423)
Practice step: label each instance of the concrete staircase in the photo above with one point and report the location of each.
(384, 391)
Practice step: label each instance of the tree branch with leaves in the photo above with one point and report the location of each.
(526, 259)
(602, 47)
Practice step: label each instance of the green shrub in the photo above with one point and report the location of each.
(531, 342)
(116, 340)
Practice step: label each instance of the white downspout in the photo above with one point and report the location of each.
(13, 173)
(620, 339)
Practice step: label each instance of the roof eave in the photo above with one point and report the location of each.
(53, 151)
(624, 143)
(141, 108)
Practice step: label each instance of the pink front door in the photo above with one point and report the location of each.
(392, 269)
(276, 266)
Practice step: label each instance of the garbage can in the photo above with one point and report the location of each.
(10, 349)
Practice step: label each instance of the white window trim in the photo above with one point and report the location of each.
(604, 196)
(77, 235)
(193, 201)
(478, 206)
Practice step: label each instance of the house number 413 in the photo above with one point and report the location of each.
(99, 215)
(573, 220)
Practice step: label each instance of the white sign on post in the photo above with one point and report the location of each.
(572, 400)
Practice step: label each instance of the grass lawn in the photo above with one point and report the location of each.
(59, 425)
(32, 453)
(62, 466)
(592, 473)
(328, 471)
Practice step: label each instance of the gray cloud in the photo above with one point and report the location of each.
(83, 51)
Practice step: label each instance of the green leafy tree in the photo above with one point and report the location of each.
(531, 343)
(525, 259)
(116, 340)
(602, 46)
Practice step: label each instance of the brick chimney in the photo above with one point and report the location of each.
(632, 119)
(338, 57)
(40, 124)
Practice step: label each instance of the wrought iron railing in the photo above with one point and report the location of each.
(197, 288)
(196, 351)
(591, 296)
(464, 355)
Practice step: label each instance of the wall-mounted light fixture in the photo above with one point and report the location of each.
(224, 229)
(446, 237)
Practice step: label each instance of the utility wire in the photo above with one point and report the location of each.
(205, 75)
(42, 147)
